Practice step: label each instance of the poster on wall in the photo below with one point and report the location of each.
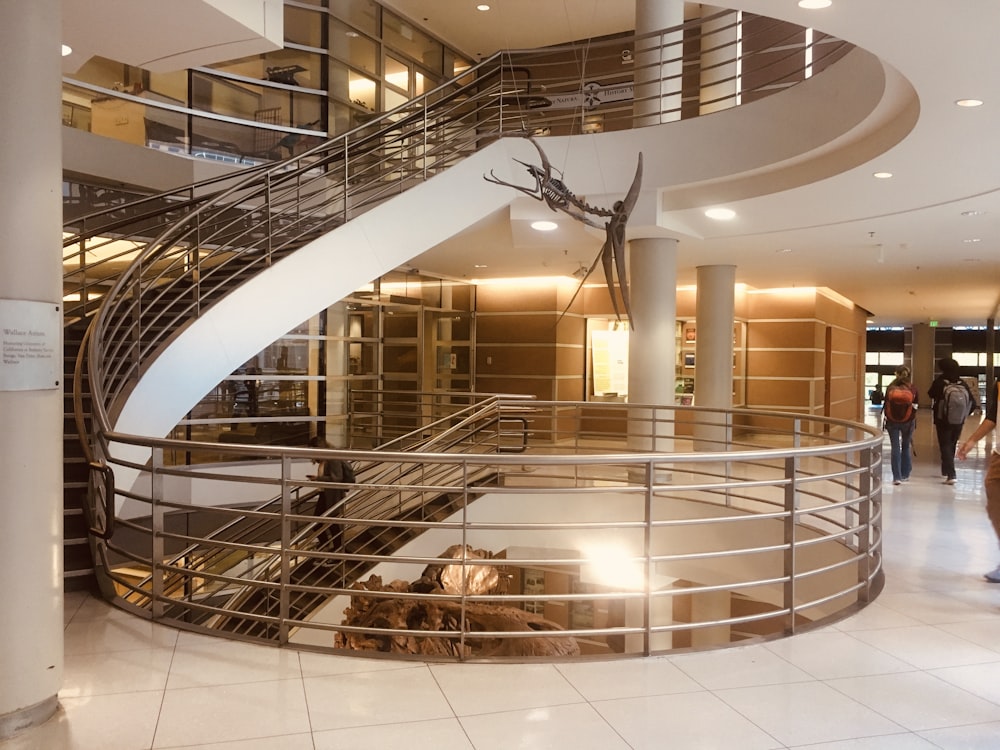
(609, 352)
(30, 345)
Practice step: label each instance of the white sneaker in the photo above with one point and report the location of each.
(897, 481)
(993, 576)
(950, 481)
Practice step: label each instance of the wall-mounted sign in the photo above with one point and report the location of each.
(30, 345)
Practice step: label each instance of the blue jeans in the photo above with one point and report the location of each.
(900, 437)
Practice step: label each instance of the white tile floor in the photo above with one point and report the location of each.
(919, 668)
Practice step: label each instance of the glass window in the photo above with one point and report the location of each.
(305, 27)
(420, 84)
(349, 85)
(401, 35)
(393, 99)
(348, 45)
(172, 86)
(362, 14)
(968, 359)
(891, 358)
(288, 66)
(454, 65)
(397, 74)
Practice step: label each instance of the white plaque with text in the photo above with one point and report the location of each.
(30, 345)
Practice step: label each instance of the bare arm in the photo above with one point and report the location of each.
(981, 431)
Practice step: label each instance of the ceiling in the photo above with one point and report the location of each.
(922, 246)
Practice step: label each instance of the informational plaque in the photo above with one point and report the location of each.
(30, 345)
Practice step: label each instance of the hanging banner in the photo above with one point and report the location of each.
(591, 96)
(30, 345)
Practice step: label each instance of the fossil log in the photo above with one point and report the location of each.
(425, 617)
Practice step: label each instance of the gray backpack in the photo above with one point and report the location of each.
(955, 403)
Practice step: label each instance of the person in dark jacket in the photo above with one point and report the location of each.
(947, 433)
(337, 471)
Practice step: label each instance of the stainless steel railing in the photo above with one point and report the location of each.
(772, 526)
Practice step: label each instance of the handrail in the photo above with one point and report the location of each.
(788, 493)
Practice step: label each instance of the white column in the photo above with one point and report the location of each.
(715, 313)
(719, 68)
(31, 616)
(652, 350)
(658, 63)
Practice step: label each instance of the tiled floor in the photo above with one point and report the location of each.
(917, 669)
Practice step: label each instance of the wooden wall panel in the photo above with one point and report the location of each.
(538, 360)
(521, 328)
(783, 334)
(774, 393)
(789, 304)
(510, 298)
(782, 363)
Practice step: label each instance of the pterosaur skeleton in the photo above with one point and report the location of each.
(550, 188)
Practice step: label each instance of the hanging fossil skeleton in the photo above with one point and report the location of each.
(550, 188)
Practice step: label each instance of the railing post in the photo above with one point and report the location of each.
(791, 503)
(156, 523)
(269, 252)
(465, 539)
(864, 524)
(729, 464)
(286, 541)
(647, 543)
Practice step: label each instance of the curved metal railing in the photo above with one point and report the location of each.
(771, 526)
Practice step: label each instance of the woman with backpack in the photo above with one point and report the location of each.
(899, 412)
(952, 403)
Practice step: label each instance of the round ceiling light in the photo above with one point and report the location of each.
(544, 226)
(815, 4)
(67, 50)
(969, 102)
(720, 214)
(881, 175)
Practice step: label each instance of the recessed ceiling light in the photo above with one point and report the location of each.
(66, 50)
(783, 250)
(352, 34)
(480, 265)
(973, 213)
(969, 102)
(882, 175)
(815, 4)
(544, 226)
(973, 239)
(483, 6)
(720, 214)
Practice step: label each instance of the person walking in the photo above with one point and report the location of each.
(336, 471)
(899, 413)
(992, 481)
(952, 403)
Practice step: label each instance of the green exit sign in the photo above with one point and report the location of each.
(933, 324)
